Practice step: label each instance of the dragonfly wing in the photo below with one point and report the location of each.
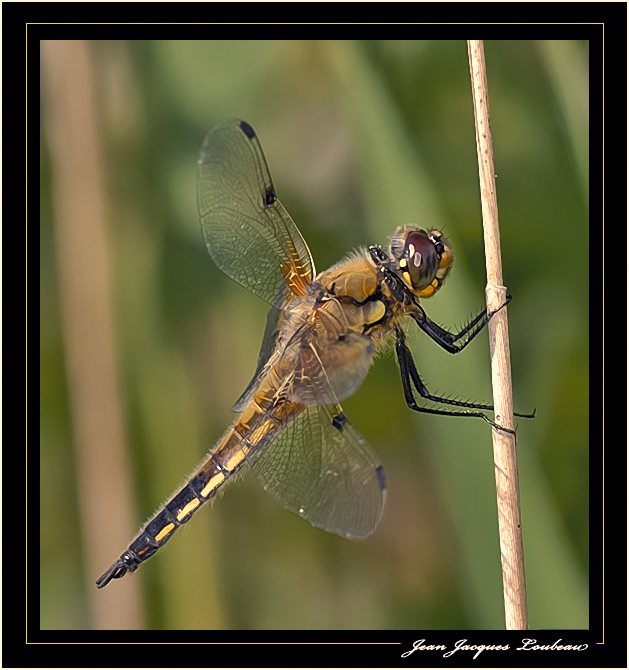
(249, 234)
(321, 468)
(318, 465)
(266, 356)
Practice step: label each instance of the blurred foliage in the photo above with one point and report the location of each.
(360, 138)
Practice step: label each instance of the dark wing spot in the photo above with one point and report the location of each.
(382, 477)
(339, 421)
(270, 198)
(247, 130)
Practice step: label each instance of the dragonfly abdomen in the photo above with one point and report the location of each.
(257, 426)
(222, 463)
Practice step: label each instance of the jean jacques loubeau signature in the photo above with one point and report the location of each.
(528, 644)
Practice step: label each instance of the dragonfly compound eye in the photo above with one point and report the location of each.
(424, 259)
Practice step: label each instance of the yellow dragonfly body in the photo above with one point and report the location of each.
(321, 336)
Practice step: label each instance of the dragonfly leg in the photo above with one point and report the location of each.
(410, 374)
(454, 342)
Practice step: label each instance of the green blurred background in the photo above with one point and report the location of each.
(360, 137)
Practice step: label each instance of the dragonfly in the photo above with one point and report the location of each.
(321, 336)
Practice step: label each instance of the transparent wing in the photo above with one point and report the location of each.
(268, 353)
(321, 468)
(249, 234)
(304, 451)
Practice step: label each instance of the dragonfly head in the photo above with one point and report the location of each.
(424, 258)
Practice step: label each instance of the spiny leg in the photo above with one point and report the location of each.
(409, 373)
(447, 340)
